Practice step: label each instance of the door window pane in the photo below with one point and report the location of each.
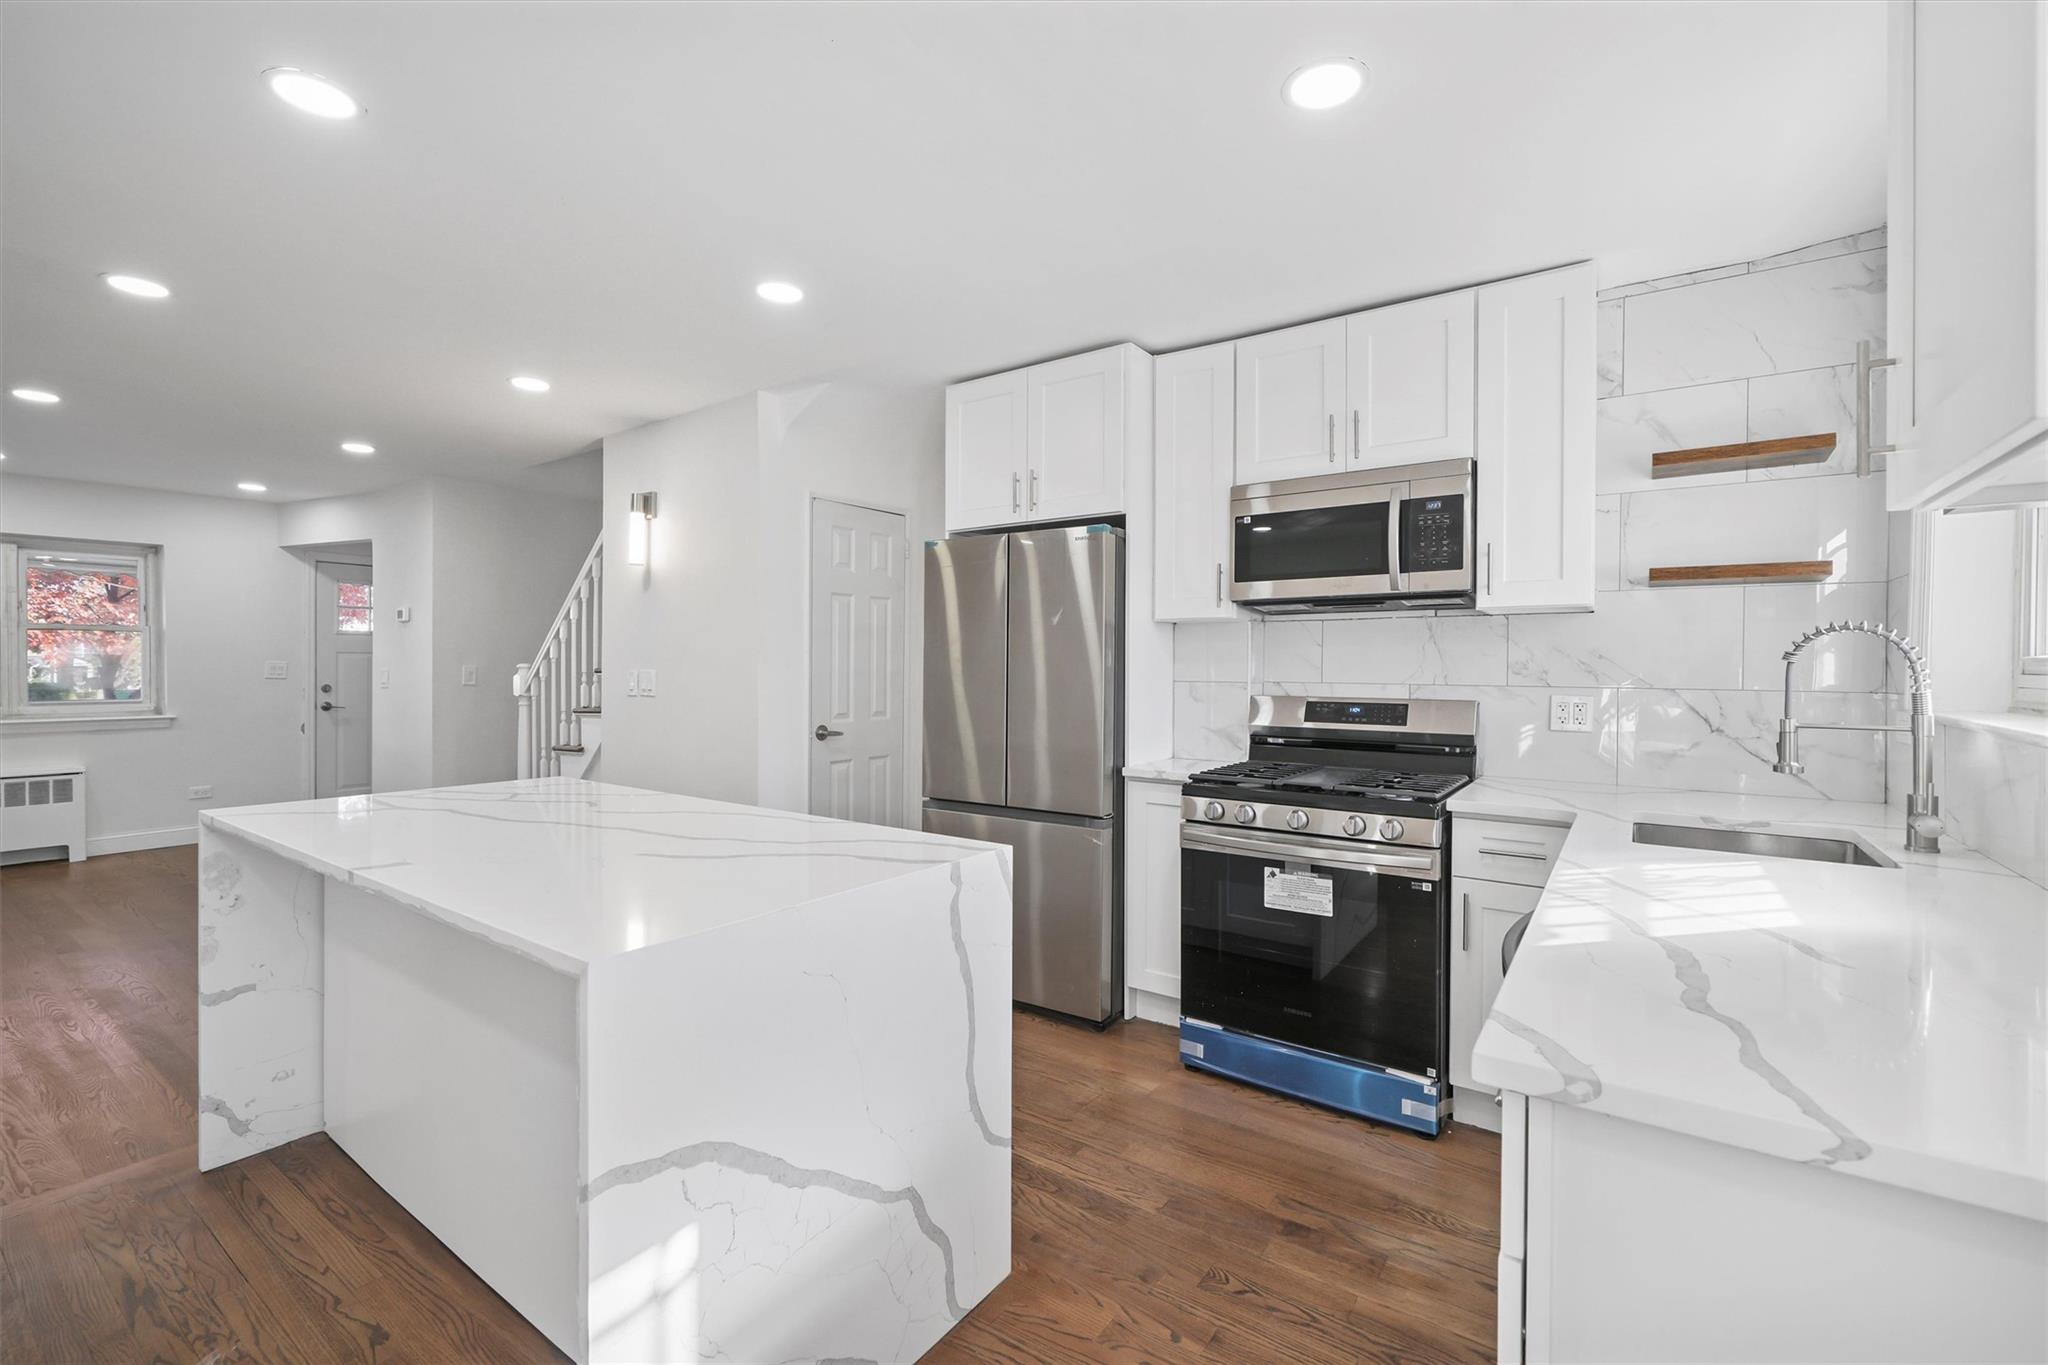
(352, 608)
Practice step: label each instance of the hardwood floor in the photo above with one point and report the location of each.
(1160, 1215)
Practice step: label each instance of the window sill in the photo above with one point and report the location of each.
(63, 725)
(2027, 727)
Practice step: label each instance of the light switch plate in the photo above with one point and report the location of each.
(199, 793)
(383, 677)
(632, 682)
(273, 668)
(1571, 714)
(646, 682)
(469, 675)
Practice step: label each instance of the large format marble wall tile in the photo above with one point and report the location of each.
(1799, 317)
(1607, 344)
(1607, 543)
(1872, 240)
(820, 1169)
(1805, 403)
(1210, 720)
(1417, 650)
(1515, 738)
(1291, 651)
(1727, 741)
(260, 984)
(1654, 637)
(1776, 614)
(1629, 430)
(1213, 651)
(1840, 519)
(1994, 794)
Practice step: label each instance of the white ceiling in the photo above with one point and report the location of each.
(589, 192)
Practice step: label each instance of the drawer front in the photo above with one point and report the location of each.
(1504, 851)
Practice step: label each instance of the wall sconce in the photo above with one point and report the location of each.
(638, 528)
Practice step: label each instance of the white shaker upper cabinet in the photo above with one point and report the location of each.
(1074, 436)
(1193, 430)
(1408, 382)
(1534, 442)
(1290, 400)
(985, 426)
(1967, 294)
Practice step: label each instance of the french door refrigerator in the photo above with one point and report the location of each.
(1023, 742)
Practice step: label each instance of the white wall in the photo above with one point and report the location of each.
(231, 600)
(1684, 680)
(503, 561)
(722, 610)
(693, 613)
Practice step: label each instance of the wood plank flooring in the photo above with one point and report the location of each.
(1160, 1215)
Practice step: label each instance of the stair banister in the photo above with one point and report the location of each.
(560, 688)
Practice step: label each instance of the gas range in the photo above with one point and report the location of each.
(1368, 771)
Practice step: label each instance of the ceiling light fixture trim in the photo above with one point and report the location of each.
(311, 94)
(1324, 85)
(136, 285)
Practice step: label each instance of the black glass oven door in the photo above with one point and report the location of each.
(1339, 950)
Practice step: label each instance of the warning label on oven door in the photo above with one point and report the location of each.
(1302, 892)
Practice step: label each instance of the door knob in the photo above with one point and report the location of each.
(330, 706)
(821, 734)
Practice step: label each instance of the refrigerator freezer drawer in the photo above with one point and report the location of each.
(1065, 906)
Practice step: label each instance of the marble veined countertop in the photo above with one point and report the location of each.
(1891, 1024)
(571, 872)
(1171, 769)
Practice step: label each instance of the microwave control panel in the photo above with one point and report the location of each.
(1433, 533)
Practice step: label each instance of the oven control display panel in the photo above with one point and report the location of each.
(1356, 713)
(1433, 533)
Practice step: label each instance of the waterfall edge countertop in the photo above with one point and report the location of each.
(572, 872)
(1888, 1023)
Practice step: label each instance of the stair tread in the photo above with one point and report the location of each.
(586, 710)
(568, 748)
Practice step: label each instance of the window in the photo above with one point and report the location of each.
(2030, 683)
(352, 609)
(82, 630)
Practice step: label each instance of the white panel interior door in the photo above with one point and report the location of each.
(985, 451)
(859, 605)
(342, 632)
(1408, 380)
(1290, 386)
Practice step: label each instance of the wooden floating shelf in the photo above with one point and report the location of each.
(1789, 571)
(1785, 450)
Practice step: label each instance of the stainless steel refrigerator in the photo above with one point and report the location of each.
(1023, 742)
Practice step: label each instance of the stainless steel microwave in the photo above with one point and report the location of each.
(1392, 539)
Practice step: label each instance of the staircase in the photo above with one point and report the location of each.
(561, 692)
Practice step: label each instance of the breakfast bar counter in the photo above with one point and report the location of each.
(681, 1080)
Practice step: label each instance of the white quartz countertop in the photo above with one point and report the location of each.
(570, 871)
(1890, 1023)
(1171, 769)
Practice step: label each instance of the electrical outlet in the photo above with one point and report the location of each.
(646, 682)
(469, 675)
(1571, 714)
(273, 669)
(199, 793)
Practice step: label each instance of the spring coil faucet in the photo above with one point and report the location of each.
(1923, 807)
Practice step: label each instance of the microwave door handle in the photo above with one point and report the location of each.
(1394, 538)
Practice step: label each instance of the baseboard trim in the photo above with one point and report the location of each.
(1144, 1004)
(141, 839)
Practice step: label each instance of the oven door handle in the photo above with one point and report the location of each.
(1202, 839)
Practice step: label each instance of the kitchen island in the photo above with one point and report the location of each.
(1763, 1108)
(681, 1080)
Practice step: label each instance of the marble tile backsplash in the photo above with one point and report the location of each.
(1994, 794)
(1685, 681)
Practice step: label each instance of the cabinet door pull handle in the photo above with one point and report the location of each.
(1333, 438)
(1034, 490)
(1356, 448)
(1219, 582)
(1465, 925)
(1489, 568)
(1510, 853)
(1865, 367)
(1016, 492)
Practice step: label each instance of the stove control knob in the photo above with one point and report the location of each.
(1297, 819)
(1213, 811)
(1354, 825)
(1392, 829)
(1247, 814)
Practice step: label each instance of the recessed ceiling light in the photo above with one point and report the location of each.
(136, 285)
(35, 395)
(311, 94)
(359, 447)
(779, 291)
(247, 487)
(526, 383)
(1325, 85)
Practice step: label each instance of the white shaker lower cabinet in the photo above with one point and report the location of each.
(1152, 900)
(1625, 1242)
(1481, 915)
(1534, 442)
(1194, 448)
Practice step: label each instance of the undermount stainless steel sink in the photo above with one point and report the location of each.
(1757, 843)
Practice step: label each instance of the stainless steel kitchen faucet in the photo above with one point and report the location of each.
(1923, 807)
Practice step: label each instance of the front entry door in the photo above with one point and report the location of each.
(858, 607)
(341, 679)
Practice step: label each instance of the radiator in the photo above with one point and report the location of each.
(43, 811)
